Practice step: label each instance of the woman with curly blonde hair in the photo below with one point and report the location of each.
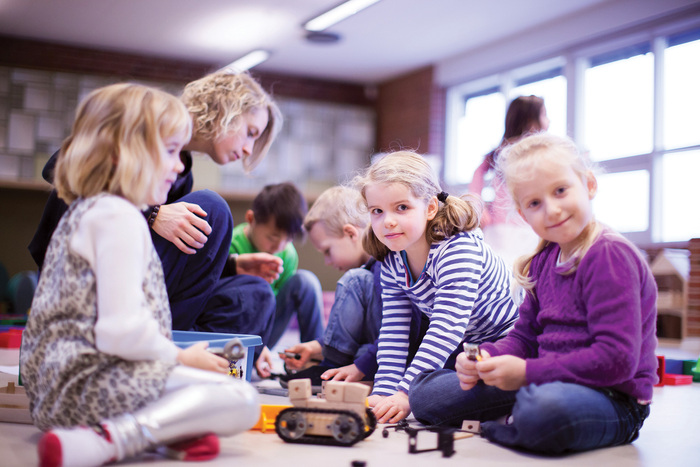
(232, 118)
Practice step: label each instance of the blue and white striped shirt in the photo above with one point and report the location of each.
(464, 290)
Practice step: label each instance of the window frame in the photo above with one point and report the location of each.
(574, 61)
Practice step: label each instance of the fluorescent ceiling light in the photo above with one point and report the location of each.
(337, 14)
(248, 61)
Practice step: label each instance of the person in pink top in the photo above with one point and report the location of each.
(503, 229)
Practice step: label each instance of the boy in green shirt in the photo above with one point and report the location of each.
(274, 220)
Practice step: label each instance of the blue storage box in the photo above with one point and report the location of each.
(244, 366)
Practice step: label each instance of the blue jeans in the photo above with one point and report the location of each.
(241, 304)
(355, 319)
(437, 399)
(191, 279)
(552, 418)
(301, 294)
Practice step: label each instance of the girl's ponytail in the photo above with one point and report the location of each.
(458, 214)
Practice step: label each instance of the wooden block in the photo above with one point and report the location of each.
(14, 404)
(677, 380)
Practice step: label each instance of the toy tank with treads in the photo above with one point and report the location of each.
(340, 416)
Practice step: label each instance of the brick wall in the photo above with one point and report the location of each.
(411, 114)
(693, 327)
(58, 57)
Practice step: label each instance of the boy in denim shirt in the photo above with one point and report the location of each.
(335, 225)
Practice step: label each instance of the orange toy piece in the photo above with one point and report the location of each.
(268, 414)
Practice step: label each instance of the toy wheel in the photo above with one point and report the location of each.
(347, 428)
(290, 424)
(234, 350)
(371, 423)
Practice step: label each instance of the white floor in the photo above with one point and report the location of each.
(669, 438)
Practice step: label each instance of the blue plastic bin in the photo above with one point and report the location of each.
(185, 339)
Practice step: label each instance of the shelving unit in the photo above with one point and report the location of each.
(671, 270)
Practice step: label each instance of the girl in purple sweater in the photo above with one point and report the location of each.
(578, 369)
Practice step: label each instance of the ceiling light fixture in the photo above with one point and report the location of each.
(337, 14)
(248, 61)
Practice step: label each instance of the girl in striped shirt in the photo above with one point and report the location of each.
(433, 255)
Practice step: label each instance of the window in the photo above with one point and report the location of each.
(619, 103)
(551, 86)
(480, 130)
(632, 102)
(680, 195)
(481, 115)
(629, 189)
(682, 91)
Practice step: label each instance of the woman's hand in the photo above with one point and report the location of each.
(197, 356)
(392, 409)
(506, 372)
(182, 225)
(306, 351)
(264, 265)
(347, 373)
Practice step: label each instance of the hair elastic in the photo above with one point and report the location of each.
(442, 196)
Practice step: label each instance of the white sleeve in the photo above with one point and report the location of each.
(113, 237)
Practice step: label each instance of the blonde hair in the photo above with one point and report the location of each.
(457, 214)
(217, 102)
(116, 142)
(337, 207)
(519, 161)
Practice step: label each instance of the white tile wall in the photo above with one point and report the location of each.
(36, 98)
(9, 167)
(50, 128)
(21, 133)
(320, 143)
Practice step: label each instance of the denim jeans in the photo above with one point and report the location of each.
(556, 418)
(552, 418)
(437, 399)
(241, 304)
(302, 295)
(355, 318)
(192, 279)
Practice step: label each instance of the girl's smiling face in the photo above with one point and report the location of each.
(556, 202)
(399, 218)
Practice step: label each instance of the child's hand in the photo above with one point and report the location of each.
(263, 365)
(197, 356)
(182, 225)
(506, 372)
(264, 265)
(306, 351)
(375, 399)
(467, 373)
(392, 409)
(344, 373)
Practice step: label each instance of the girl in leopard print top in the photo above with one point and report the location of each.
(103, 376)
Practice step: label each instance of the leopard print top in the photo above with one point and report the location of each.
(69, 382)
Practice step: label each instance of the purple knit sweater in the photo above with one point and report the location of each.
(595, 327)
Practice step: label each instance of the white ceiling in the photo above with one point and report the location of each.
(386, 40)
